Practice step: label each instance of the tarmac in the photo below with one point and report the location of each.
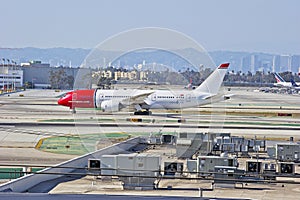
(26, 119)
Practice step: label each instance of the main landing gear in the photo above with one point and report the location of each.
(145, 112)
(73, 111)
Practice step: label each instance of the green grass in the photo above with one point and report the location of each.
(76, 120)
(13, 173)
(76, 144)
(81, 144)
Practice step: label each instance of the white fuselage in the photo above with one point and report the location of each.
(287, 85)
(157, 99)
(283, 84)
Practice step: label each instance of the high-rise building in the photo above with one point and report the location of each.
(265, 66)
(246, 62)
(276, 63)
(285, 64)
(295, 63)
(254, 65)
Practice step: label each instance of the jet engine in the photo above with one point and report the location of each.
(110, 106)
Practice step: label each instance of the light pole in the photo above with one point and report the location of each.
(13, 76)
(7, 77)
(4, 77)
(3, 59)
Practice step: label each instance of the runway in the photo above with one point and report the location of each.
(4, 126)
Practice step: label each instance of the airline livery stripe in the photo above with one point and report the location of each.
(224, 66)
(278, 77)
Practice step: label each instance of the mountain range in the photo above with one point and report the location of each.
(74, 57)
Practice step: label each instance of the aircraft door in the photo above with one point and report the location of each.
(74, 96)
(99, 100)
(101, 97)
(188, 98)
(153, 97)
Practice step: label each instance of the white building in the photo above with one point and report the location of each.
(11, 77)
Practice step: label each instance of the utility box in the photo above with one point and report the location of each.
(237, 148)
(228, 147)
(191, 166)
(168, 139)
(145, 164)
(190, 136)
(173, 168)
(226, 139)
(94, 164)
(138, 171)
(268, 166)
(108, 165)
(286, 168)
(237, 140)
(260, 143)
(269, 170)
(251, 144)
(227, 175)
(244, 148)
(253, 166)
(271, 151)
(288, 152)
(154, 139)
(207, 164)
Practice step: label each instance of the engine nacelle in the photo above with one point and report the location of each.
(110, 106)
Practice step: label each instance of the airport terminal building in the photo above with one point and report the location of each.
(35, 74)
(11, 77)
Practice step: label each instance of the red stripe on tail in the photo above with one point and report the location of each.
(224, 66)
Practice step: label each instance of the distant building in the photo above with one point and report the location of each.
(106, 74)
(285, 64)
(276, 63)
(132, 75)
(246, 62)
(38, 73)
(266, 66)
(295, 63)
(254, 65)
(143, 75)
(11, 77)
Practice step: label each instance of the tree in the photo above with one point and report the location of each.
(104, 82)
(59, 79)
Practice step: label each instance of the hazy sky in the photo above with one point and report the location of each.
(271, 26)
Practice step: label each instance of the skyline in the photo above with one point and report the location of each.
(269, 26)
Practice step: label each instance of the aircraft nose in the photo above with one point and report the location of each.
(61, 101)
(65, 101)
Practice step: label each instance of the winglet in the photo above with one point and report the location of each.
(224, 66)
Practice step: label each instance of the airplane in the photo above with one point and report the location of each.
(144, 100)
(282, 83)
(190, 86)
(295, 85)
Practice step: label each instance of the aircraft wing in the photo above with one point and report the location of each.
(137, 99)
(225, 97)
(207, 96)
